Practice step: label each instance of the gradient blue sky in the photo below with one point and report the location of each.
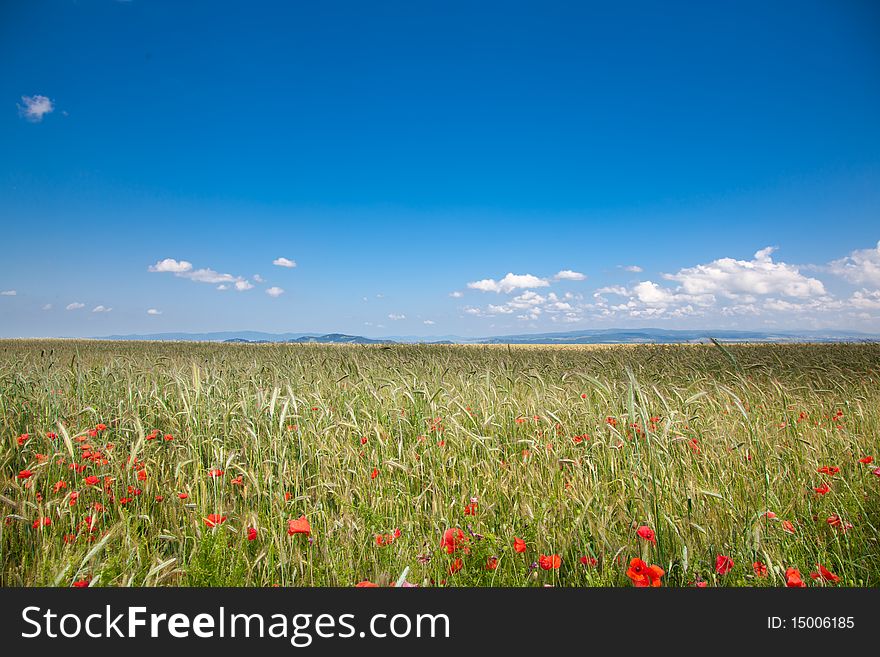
(400, 151)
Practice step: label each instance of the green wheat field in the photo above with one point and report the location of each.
(183, 464)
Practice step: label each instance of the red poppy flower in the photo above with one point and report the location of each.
(81, 584)
(866, 459)
(723, 564)
(92, 480)
(299, 526)
(252, 534)
(787, 526)
(830, 470)
(238, 481)
(760, 569)
(823, 489)
(492, 563)
(519, 545)
(643, 575)
(374, 473)
(366, 585)
(182, 496)
(825, 575)
(470, 509)
(647, 533)
(454, 539)
(550, 562)
(25, 474)
(589, 561)
(793, 579)
(214, 519)
(215, 473)
(876, 472)
(455, 566)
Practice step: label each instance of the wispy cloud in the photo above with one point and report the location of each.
(284, 262)
(429, 322)
(8, 293)
(47, 306)
(76, 305)
(274, 291)
(457, 294)
(34, 108)
(101, 309)
(635, 269)
(569, 275)
(396, 317)
(154, 311)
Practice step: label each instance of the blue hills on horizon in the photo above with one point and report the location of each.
(591, 336)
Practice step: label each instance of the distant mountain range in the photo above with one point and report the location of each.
(596, 336)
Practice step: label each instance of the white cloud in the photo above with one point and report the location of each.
(861, 267)
(48, 306)
(635, 269)
(8, 293)
(734, 278)
(171, 265)
(34, 108)
(101, 309)
(865, 300)
(569, 275)
(456, 294)
(274, 291)
(206, 275)
(509, 283)
(76, 305)
(153, 311)
(284, 262)
(396, 317)
(184, 269)
(429, 322)
(258, 279)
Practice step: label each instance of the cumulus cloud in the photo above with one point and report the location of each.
(76, 305)
(429, 322)
(284, 262)
(456, 294)
(396, 317)
(865, 300)
(569, 275)
(34, 108)
(171, 265)
(635, 269)
(8, 293)
(760, 276)
(184, 269)
(154, 311)
(861, 267)
(509, 283)
(101, 309)
(274, 291)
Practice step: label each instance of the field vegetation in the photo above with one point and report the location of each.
(196, 464)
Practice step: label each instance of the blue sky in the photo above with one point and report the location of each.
(438, 168)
